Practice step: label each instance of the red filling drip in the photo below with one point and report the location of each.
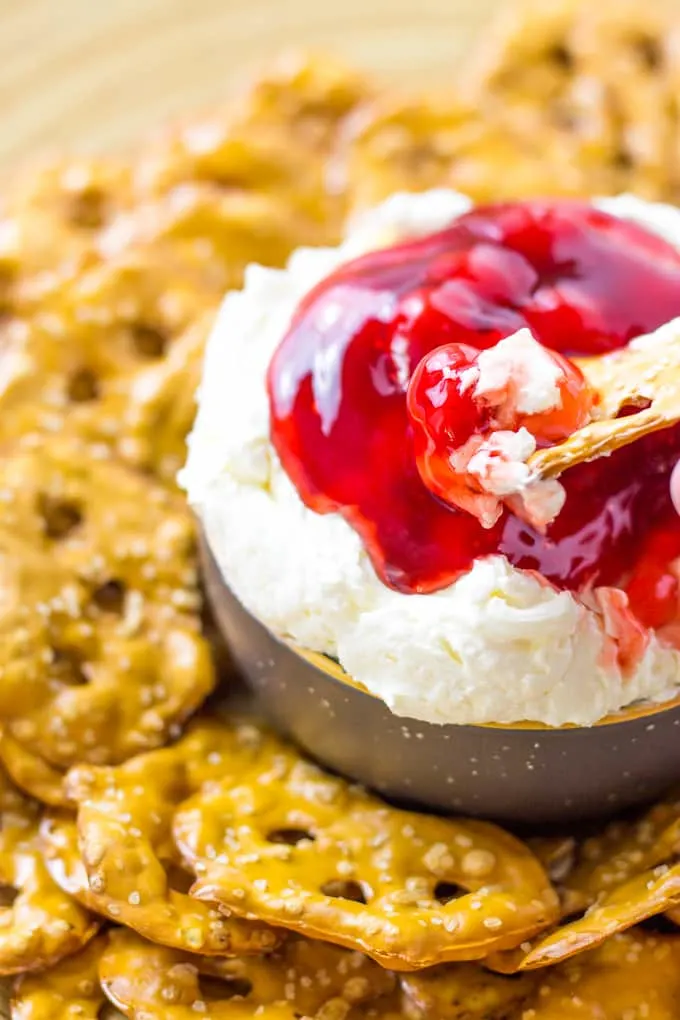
(585, 283)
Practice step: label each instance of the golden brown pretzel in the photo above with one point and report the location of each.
(600, 78)
(100, 639)
(39, 924)
(307, 979)
(441, 142)
(466, 991)
(633, 975)
(69, 989)
(157, 412)
(231, 228)
(31, 773)
(49, 224)
(623, 876)
(407, 889)
(87, 356)
(119, 858)
(272, 139)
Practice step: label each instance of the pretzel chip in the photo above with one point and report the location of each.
(231, 228)
(307, 851)
(39, 924)
(71, 988)
(642, 380)
(49, 226)
(599, 80)
(622, 877)
(441, 142)
(31, 773)
(82, 360)
(634, 975)
(118, 857)
(159, 409)
(271, 140)
(307, 979)
(101, 649)
(466, 991)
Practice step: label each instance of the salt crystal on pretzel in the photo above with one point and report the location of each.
(637, 392)
(308, 852)
(305, 978)
(118, 857)
(71, 988)
(39, 924)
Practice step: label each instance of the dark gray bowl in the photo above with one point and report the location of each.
(517, 774)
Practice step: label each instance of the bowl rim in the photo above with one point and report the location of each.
(337, 674)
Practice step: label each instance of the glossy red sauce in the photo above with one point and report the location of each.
(584, 283)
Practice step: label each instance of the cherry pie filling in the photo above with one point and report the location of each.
(370, 399)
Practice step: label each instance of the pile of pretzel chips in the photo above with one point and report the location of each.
(158, 852)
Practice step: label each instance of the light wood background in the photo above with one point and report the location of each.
(97, 73)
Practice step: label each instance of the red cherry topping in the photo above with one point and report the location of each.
(582, 281)
(454, 418)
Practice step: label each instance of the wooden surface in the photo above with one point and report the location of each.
(98, 73)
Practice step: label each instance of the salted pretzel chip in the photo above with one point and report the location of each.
(49, 224)
(466, 991)
(272, 139)
(39, 924)
(70, 988)
(634, 975)
(599, 77)
(101, 649)
(82, 361)
(254, 143)
(642, 380)
(305, 978)
(307, 851)
(159, 409)
(118, 857)
(441, 142)
(627, 874)
(622, 850)
(231, 228)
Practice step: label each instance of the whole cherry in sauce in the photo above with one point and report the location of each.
(582, 281)
(454, 410)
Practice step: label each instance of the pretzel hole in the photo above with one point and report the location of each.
(8, 895)
(623, 160)
(179, 880)
(633, 406)
(59, 516)
(561, 56)
(445, 892)
(87, 208)
(67, 664)
(217, 989)
(344, 889)
(110, 597)
(290, 837)
(649, 51)
(148, 341)
(83, 386)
